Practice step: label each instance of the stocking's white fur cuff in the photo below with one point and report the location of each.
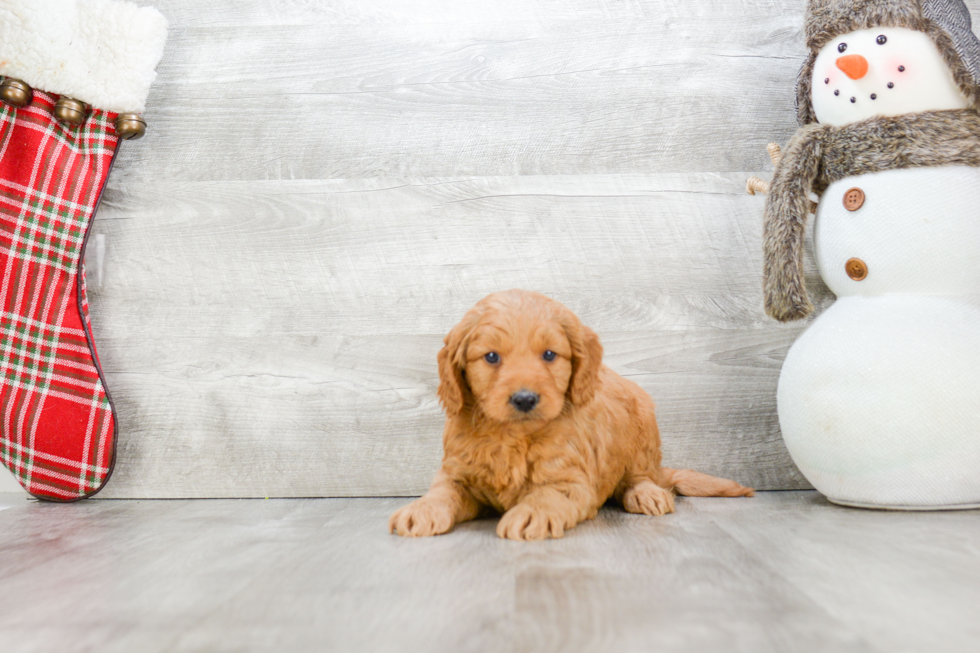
(102, 52)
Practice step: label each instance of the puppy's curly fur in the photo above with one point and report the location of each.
(590, 435)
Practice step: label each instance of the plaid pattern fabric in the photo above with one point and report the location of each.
(57, 427)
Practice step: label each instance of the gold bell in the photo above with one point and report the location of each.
(15, 92)
(70, 111)
(130, 126)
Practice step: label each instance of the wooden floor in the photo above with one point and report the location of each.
(784, 571)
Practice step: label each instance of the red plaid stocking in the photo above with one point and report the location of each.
(57, 427)
(57, 57)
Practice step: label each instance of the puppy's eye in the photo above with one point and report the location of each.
(882, 39)
(493, 358)
(842, 47)
(549, 355)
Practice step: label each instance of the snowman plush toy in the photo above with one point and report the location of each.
(879, 400)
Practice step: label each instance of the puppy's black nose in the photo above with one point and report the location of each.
(524, 400)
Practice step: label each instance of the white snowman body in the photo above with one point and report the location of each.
(879, 400)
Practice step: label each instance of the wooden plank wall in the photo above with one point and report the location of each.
(326, 187)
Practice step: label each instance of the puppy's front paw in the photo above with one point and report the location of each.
(422, 518)
(648, 499)
(526, 522)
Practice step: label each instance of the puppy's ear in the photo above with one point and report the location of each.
(453, 390)
(586, 361)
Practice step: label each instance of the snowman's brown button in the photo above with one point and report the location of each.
(854, 199)
(856, 269)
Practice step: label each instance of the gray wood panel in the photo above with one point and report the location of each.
(327, 186)
(778, 572)
(651, 87)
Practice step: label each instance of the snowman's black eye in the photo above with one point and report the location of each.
(842, 47)
(493, 358)
(549, 355)
(901, 69)
(882, 39)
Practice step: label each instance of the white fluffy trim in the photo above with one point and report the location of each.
(102, 52)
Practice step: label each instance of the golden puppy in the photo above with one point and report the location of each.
(540, 430)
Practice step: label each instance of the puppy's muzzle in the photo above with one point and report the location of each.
(524, 400)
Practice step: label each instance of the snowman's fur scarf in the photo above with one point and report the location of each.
(818, 155)
(828, 19)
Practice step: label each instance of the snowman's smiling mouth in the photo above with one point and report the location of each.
(873, 96)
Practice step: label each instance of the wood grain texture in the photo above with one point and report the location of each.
(327, 186)
(259, 93)
(775, 573)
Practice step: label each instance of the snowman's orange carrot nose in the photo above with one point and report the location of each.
(854, 66)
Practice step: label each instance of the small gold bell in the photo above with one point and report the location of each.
(15, 92)
(70, 111)
(130, 126)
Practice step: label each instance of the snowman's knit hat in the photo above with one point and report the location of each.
(946, 21)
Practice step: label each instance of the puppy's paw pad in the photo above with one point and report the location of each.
(648, 499)
(421, 518)
(525, 522)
